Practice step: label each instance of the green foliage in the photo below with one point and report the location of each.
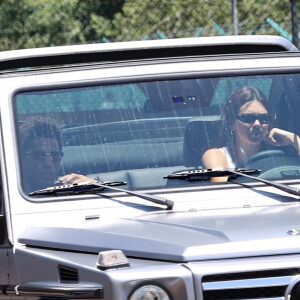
(182, 18)
(37, 23)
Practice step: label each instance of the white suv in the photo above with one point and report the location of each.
(106, 190)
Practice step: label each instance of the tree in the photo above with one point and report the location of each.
(36, 23)
(144, 18)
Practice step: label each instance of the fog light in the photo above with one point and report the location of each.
(149, 292)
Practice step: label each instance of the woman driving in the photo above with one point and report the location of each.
(246, 127)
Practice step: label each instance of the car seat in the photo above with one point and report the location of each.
(201, 134)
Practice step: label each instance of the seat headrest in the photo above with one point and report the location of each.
(201, 134)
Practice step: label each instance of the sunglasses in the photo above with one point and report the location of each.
(251, 118)
(40, 155)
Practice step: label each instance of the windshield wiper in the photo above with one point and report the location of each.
(283, 187)
(96, 187)
(206, 174)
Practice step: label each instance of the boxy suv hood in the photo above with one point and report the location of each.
(182, 236)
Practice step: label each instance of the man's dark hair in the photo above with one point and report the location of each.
(39, 127)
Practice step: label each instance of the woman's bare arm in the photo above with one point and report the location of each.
(215, 158)
(279, 137)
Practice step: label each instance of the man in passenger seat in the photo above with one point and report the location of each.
(41, 154)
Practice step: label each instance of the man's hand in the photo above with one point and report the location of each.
(75, 178)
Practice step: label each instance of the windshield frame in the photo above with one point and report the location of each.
(136, 79)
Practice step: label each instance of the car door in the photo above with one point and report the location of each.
(4, 243)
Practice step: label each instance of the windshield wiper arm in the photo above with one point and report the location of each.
(206, 174)
(286, 188)
(96, 187)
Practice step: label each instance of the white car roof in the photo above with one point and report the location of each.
(135, 50)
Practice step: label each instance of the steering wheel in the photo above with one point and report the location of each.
(262, 155)
(274, 164)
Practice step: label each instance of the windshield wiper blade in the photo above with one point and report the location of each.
(206, 174)
(97, 187)
(76, 188)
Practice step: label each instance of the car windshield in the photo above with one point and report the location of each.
(139, 132)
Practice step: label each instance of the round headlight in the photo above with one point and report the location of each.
(149, 292)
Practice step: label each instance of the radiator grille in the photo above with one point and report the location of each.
(269, 284)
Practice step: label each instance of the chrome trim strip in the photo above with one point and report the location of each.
(295, 281)
(247, 283)
(277, 298)
(61, 292)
